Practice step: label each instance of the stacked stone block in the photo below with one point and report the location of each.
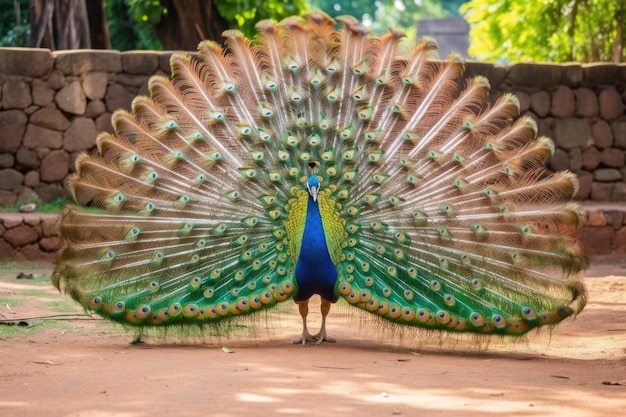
(52, 106)
(582, 108)
(29, 237)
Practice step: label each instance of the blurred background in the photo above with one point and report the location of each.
(498, 31)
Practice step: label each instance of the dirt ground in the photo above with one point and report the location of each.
(87, 368)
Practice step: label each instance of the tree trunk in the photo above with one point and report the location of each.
(188, 22)
(572, 29)
(68, 24)
(98, 27)
(618, 42)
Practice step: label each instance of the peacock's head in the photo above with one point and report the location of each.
(313, 186)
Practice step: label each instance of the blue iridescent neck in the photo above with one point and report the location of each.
(315, 272)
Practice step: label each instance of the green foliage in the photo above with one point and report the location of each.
(243, 14)
(19, 267)
(147, 11)
(129, 28)
(61, 305)
(53, 207)
(246, 13)
(538, 30)
(14, 25)
(34, 294)
(382, 14)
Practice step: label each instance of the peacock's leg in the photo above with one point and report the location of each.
(303, 307)
(138, 337)
(322, 336)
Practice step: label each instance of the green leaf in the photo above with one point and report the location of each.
(540, 31)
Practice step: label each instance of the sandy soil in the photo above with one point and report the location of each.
(88, 368)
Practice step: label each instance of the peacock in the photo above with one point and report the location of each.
(320, 159)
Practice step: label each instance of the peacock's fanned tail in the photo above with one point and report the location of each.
(435, 205)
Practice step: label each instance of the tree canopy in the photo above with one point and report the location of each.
(14, 26)
(181, 24)
(539, 30)
(501, 30)
(399, 14)
(211, 18)
(132, 24)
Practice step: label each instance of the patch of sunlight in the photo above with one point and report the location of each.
(466, 400)
(256, 398)
(286, 391)
(13, 403)
(292, 411)
(104, 413)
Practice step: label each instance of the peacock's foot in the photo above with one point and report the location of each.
(137, 341)
(306, 337)
(138, 338)
(323, 337)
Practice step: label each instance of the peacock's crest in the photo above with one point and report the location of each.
(324, 151)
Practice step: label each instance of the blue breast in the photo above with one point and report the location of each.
(315, 271)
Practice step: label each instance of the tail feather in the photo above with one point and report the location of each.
(435, 206)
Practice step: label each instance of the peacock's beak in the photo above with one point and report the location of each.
(313, 191)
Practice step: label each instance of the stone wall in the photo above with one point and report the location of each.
(29, 237)
(582, 108)
(605, 229)
(52, 107)
(53, 104)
